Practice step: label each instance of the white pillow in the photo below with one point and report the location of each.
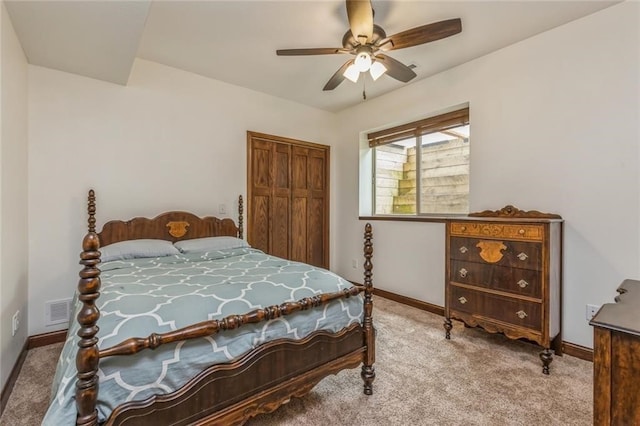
(132, 249)
(210, 244)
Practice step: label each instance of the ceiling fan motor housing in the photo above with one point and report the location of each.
(350, 42)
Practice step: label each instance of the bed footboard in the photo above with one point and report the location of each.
(259, 382)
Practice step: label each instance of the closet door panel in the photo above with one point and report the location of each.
(316, 170)
(281, 201)
(261, 157)
(281, 164)
(261, 183)
(299, 230)
(315, 243)
(300, 200)
(299, 166)
(280, 227)
(259, 232)
(317, 227)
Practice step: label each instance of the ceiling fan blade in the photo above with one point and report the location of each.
(396, 69)
(312, 51)
(338, 77)
(360, 15)
(420, 35)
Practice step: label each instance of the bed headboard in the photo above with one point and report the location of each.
(171, 226)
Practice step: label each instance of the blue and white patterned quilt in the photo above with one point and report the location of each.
(141, 296)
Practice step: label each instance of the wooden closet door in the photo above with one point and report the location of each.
(270, 197)
(260, 184)
(288, 197)
(280, 213)
(308, 198)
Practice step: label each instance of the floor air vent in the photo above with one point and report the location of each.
(57, 311)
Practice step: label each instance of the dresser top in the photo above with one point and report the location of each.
(624, 315)
(502, 219)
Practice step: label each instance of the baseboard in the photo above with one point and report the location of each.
(577, 351)
(46, 339)
(568, 348)
(434, 309)
(8, 387)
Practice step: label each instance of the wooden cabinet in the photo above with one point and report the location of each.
(288, 198)
(616, 359)
(503, 273)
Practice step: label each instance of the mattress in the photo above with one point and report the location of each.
(161, 294)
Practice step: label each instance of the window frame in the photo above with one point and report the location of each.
(416, 129)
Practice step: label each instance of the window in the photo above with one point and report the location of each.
(422, 167)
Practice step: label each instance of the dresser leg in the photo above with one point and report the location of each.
(447, 328)
(546, 356)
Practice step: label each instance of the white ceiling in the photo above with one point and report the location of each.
(235, 41)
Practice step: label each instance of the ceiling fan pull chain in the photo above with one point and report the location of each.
(364, 89)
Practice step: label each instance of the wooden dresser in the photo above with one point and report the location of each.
(616, 359)
(503, 273)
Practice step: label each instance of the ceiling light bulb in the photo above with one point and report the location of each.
(352, 73)
(363, 61)
(377, 69)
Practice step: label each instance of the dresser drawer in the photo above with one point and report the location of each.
(517, 231)
(514, 254)
(507, 310)
(525, 282)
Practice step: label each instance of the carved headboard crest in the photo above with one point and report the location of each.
(178, 228)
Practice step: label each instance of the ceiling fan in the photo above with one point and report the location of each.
(367, 41)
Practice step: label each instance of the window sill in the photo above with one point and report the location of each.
(413, 218)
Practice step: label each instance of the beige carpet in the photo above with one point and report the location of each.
(477, 378)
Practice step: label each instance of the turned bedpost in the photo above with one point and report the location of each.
(368, 371)
(87, 355)
(240, 211)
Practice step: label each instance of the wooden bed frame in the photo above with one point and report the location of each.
(223, 394)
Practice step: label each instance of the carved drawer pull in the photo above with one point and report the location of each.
(491, 251)
(523, 283)
(463, 273)
(521, 314)
(521, 231)
(463, 300)
(463, 249)
(523, 256)
(463, 228)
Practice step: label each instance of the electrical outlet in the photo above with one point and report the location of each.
(15, 323)
(591, 311)
(354, 263)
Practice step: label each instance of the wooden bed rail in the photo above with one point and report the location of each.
(207, 328)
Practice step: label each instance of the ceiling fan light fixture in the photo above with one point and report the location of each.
(363, 61)
(377, 69)
(352, 73)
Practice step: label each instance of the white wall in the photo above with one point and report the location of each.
(555, 127)
(168, 140)
(13, 194)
